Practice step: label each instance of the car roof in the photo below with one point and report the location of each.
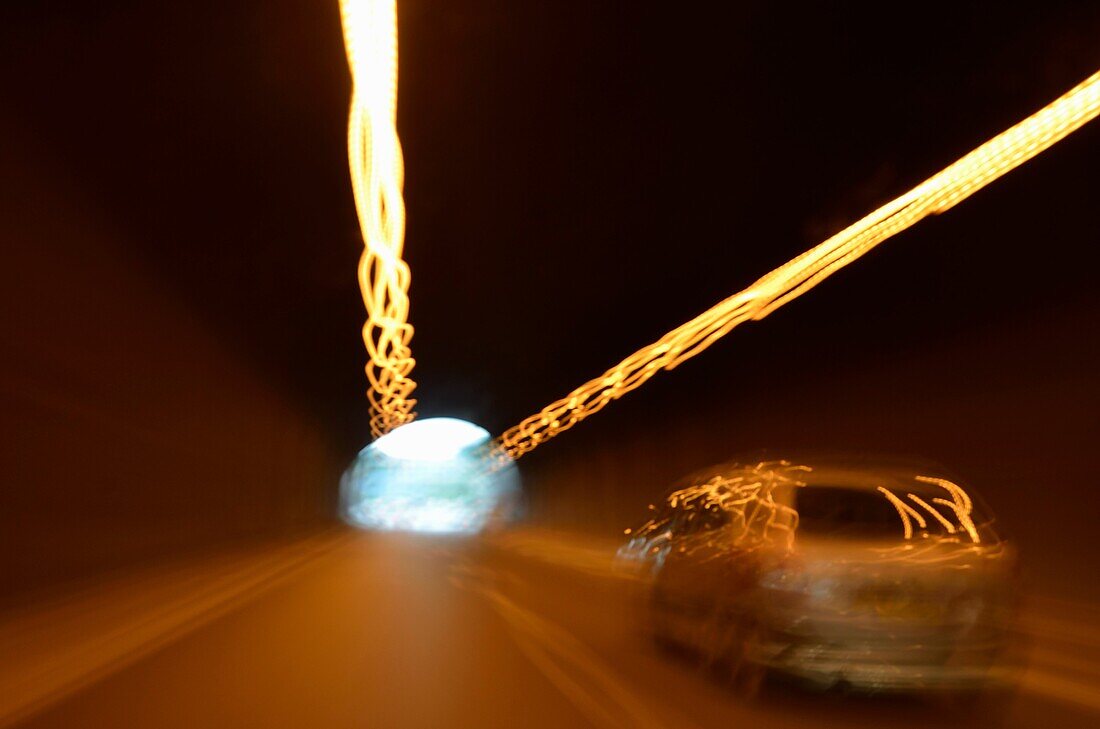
(867, 478)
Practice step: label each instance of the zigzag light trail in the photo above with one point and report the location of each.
(374, 152)
(377, 175)
(935, 195)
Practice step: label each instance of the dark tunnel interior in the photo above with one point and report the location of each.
(181, 362)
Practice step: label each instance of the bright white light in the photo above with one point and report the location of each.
(433, 439)
(434, 475)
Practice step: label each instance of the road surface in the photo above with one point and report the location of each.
(352, 629)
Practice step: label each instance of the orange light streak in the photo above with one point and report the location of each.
(931, 510)
(904, 511)
(960, 503)
(377, 176)
(753, 498)
(935, 195)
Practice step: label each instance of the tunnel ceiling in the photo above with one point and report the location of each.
(580, 178)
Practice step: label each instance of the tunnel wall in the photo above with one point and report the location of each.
(130, 430)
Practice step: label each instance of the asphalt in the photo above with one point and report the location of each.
(535, 630)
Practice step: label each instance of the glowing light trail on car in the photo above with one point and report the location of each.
(935, 195)
(932, 510)
(960, 503)
(377, 176)
(905, 511)
(760, 510)
(749, 494)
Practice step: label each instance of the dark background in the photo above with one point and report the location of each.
(181, 319)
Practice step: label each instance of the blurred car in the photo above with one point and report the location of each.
(873, 578)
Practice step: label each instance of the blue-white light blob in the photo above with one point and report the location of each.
(434, 439)
(433, 475)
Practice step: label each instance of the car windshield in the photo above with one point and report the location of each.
(845, 513)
